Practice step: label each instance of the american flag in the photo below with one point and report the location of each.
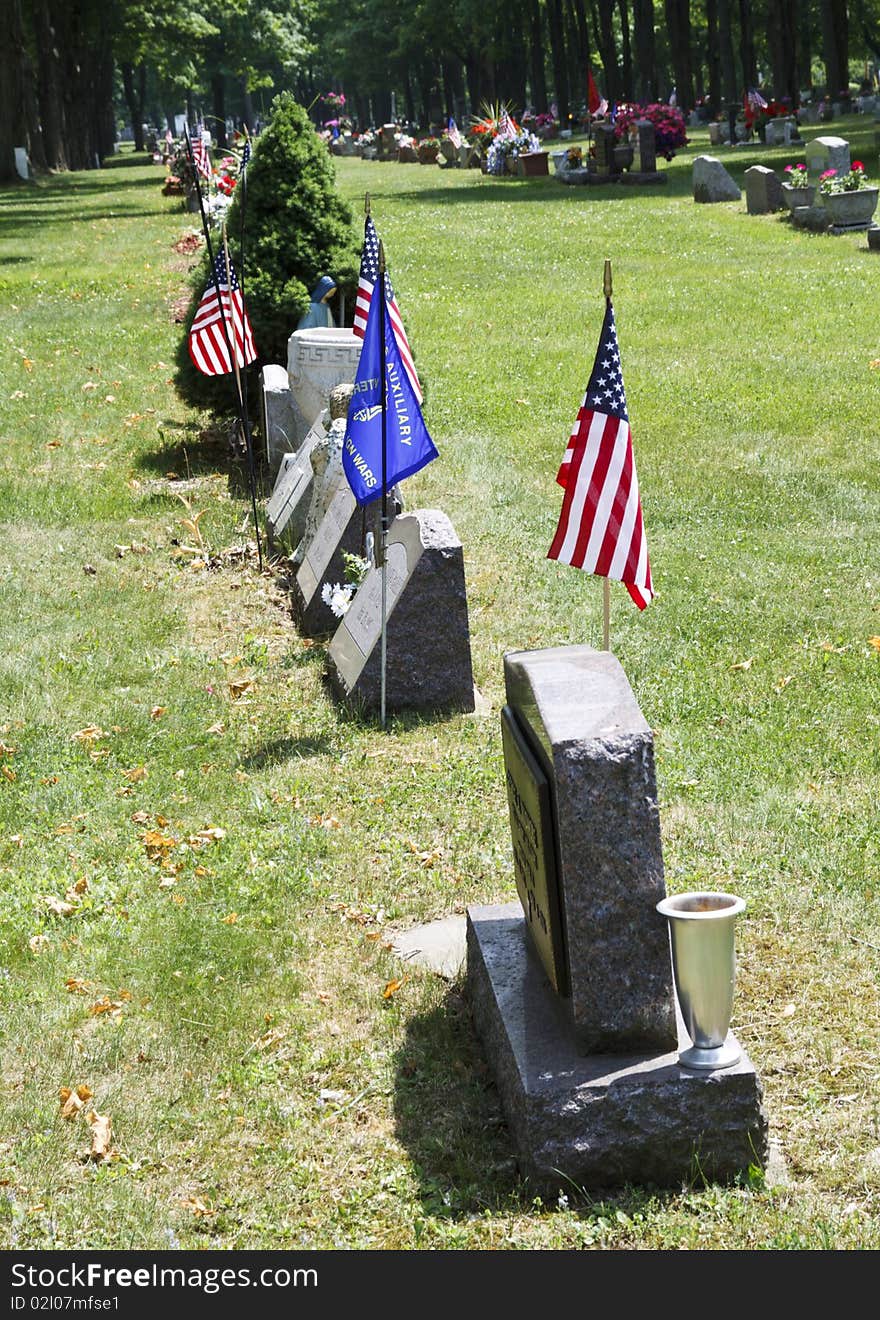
(506, 127)
(369, 274)
(207, 340)
(453, 134)
(200, 156)
(596, 104)
(600, 527)
(245, 157)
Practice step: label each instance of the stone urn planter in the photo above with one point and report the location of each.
(798, 196)
(624, 154)
(428, 155)
(851, 210)
(533, 163)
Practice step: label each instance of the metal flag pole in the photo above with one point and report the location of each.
(248, 439)
(606, 584)
(383, 535)
(229, 348)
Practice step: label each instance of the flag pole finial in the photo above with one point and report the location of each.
(366, 203)
(607, 280)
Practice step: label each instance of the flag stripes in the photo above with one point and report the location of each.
(369, 274)
(208, 346)
(600, 527)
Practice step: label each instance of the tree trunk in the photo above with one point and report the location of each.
(625, 52)
(646, 56)
(713, 57)
(730, 88)
(557, 54)
(536, 56)
(835, 47)
(678, 23)
(582, 49)
(49, 83)
(218, 108)
(805, 46)
(247, 104)
(134, 98)
(13, 129)
(607, 49)
(781, 41)
(747, 45)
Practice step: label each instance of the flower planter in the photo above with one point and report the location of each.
(851, 210)
(532, 163)
(794, 197)
(428, 155)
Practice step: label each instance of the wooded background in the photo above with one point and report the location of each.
(72, 71)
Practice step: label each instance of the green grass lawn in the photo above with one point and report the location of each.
(204, 861)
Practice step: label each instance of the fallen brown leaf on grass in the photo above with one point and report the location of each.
(198, 1207)
(238, 689)
(89, 734)
(157, 712)
(101, 1134)
(37, 943)
(875, 642)
(136, 774)
(57, 906)
(72, 1101)
(75, 985)
(744, 664)
(393, 986)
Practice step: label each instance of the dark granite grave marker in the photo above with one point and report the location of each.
(604, 134)
(587, 1068)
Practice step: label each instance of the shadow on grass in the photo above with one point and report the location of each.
(448, 1116)
(281, 750)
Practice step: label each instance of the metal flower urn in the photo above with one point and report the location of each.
(701, 927)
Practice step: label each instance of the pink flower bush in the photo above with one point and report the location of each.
(669, 126)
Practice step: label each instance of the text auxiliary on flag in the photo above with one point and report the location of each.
(600, 527)
(408, 446)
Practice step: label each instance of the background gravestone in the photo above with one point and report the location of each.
(763, 190)
(428, 651)
(827, 153)
(281, 420)
(712, 183)
(289, 504)
(317, 360)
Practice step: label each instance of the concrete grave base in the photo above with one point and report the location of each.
(600, 1120)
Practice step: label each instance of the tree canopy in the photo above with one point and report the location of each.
(72, 71)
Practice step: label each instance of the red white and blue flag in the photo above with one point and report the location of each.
(453, 134)
(600, 527)
(596, 104)
(200, 156)
(210, 340)
(369, 275)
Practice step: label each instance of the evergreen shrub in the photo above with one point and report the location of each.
(297, 228)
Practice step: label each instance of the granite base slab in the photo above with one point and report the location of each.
(598, 1121)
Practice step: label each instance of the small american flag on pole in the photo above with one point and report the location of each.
(369, 274)
(506, 127)
(209, 340)
(200, 156)
(453, 134)
(600, 527)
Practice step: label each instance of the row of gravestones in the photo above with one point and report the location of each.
(313, 515)
(571, 987)
(765, 189)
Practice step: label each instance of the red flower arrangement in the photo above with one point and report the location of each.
(669, 127)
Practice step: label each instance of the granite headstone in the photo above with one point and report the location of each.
(428, 653)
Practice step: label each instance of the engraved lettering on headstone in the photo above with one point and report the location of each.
(364, 617)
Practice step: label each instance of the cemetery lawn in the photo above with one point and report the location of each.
(204, 861)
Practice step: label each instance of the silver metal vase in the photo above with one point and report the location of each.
(701, 928)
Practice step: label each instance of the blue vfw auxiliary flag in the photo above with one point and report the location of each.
(408, 447)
